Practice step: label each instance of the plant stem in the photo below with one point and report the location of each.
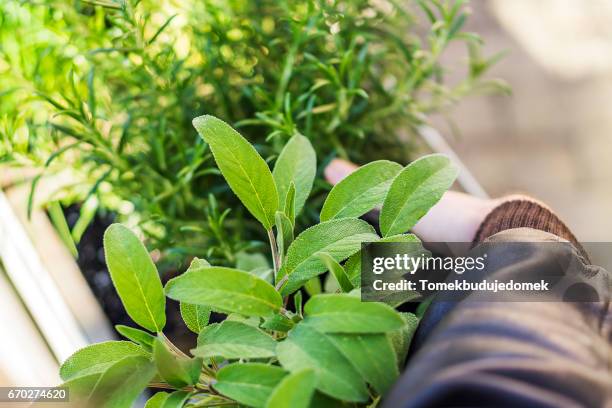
(166, 386)
(172, 346)
(281, 282)
(275, 254)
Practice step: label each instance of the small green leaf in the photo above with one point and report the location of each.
(337, 271)
(342, 313)
(178, 371)
(136, 335)
(121, 383)
(297, 164)
(98, 357)
(177, 399)
(197, 263)
(195, 316)
(307, 348)
(289, 207)
(278, 323)
(157, 400)
(234, 340)
(372, 356)
(294, 391)
(225, 290)
(244, 169)
(414, 191)
(360, 191)
(339, 238)
(135, 277)
(249, 383)
(400, 339)
(284, 233)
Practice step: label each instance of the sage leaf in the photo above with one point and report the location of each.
(343, 313)
(176, 400)
(234, 340)
(198, 263)
(307, 348)
(372, 356)
(243, 168)
(297, 164)
(294, 391)
(278, 322)
(401, 338)
(289, 207)
(284, 233)
(249, 383)
(97, 358)
(337, 271)
(225, 290)
(157, 400)
(339, 238)
(178, 371)
(122, 383)
(138, 336)
(360, 191)
(135, 277)
(414, 191)
(80, 387)
(195, 316)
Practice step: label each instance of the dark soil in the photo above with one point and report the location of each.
(92, 265)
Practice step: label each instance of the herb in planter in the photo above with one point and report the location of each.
(110, 87)
(332, 349)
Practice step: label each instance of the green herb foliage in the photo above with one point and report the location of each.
(334, 349)
(108, 88)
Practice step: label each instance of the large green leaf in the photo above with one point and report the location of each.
(249, 383)
(135, 278)
(343, 313)
(360, 191)
(121, 383)
(372, 356)
(178, 371)
(225, 290)
(339, 238)
(234, 340)
(136, 335)
(414, 191)
(98, 357)
(244, 169)
(296, 163)
(294, 391)
(308, 348)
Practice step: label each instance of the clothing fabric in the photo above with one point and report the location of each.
(514, 354)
